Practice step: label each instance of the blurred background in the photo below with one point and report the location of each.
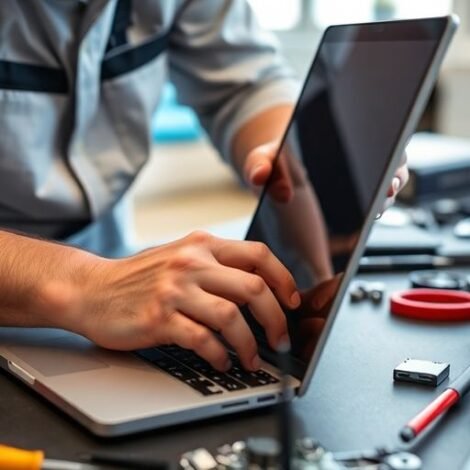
(186, 186)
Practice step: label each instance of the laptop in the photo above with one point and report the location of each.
(360, 103)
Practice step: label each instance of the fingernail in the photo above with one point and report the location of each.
(284, 343)
(295, 300)
(227, 365)
(396, 184)
(256, 362)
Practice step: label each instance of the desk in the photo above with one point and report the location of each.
(352, 402)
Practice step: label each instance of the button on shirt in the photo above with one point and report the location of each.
(75, 113)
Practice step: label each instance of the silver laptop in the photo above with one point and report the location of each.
(361, 101)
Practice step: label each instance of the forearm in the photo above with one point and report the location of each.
(265, 127)
(39, 281)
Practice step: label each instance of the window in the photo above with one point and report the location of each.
(285, 15)
(278, 14)
(326, 12)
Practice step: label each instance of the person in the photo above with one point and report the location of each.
(79, 82)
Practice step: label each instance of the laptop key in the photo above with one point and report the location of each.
(168, 364)
(252, 379)
(225, 381)
(151, 354)
(263, 375)
(204, 386)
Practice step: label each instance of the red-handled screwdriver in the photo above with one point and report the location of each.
(449, 397)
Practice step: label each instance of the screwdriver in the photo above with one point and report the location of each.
(12, 458)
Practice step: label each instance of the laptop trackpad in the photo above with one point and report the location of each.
(62, 355)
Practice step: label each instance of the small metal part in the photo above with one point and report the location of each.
(263, 452)
(462, 228)
(373, 291)
(358, 293)
(403, 461)
(309, 449)
(232, 457)
(198, 459)
(239, 447)
(421, 372)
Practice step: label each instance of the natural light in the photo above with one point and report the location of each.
(285, 15)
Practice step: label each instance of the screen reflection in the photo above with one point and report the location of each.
(355, 101)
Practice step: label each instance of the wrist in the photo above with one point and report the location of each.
(63, 299)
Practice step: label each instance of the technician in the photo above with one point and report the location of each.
(79, 83)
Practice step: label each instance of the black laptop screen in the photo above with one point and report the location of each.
(349, 118)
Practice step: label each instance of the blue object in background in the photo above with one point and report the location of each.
(173, 122)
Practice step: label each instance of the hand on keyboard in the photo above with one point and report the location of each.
(182, 292)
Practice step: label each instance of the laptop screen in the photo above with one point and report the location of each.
(348, 120)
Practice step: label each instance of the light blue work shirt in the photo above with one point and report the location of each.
(76, 103)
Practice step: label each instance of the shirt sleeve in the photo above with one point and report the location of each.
(226, 67)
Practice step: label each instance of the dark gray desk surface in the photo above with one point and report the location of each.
(352, 402)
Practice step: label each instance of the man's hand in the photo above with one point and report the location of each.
(183, 292)
(258, 168)
(259, 165)
(398, 183)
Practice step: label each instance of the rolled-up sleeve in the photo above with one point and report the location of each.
(227, 68)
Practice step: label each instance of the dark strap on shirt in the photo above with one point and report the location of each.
(135, 57)
(122, 20)
(26, 77)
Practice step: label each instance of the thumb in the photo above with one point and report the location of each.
(259, 164)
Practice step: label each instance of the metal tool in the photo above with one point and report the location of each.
(19, 459)
(379, 459)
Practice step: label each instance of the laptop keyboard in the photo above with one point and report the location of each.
(189, 368)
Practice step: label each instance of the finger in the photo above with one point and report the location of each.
(399, 180)
(258, 168)
(258, 164)
(224, 317)
(403, 174)
(394, 187)
(251, 290)
(256, 257)
(189, 334)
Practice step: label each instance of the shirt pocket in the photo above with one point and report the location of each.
(33, 105)
(131, 86)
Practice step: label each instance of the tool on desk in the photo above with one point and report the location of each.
(379, 459)
(449, 397)
(438, 280)
(410, 262)
(431, 304)
(308, 454)
(421, 372)
(19, 459)
(117, 460)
